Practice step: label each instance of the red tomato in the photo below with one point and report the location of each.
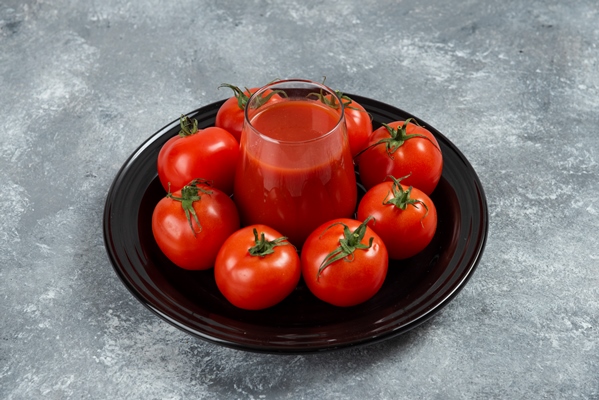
(357, 120)
(359, 125)
(230, 115)
(344, 262)
(256, 268)
(405, 219)
(402, 148)
(210, 153)
(191, 224)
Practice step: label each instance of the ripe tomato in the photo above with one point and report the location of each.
(230, 115)
(402, 148)
(191, 224)
(406, 219)
(344, 262)
(209, 153)
(357, 120)
(359, 125)
(256, 268)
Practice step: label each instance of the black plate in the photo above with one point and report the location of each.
(413, 292)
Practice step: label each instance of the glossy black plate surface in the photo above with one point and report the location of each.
(413, 292)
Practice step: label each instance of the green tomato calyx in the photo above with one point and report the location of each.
(331, 101)
(188, 126)
(350, 242)
(401, 198)
(244, 97)
(264, 247)
(191, 193)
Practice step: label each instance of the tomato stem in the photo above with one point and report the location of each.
(264, 247)
(188, 126)
(401, 198)
(190, 193)
(332, 101)
(243, 97)
(350, 242)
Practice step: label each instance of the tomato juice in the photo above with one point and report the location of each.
(295, 121)
(295, 170)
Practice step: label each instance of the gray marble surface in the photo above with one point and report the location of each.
(514, 84)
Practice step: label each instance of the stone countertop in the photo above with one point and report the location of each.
(514, 85)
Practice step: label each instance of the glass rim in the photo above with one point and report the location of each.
(246, 119)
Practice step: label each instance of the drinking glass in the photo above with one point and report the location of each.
(295, 170)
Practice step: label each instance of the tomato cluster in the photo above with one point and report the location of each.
(343, 262)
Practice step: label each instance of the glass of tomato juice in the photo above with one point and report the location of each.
(295, 170)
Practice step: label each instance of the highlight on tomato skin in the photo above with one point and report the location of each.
(404, 217)
(344, 262)
(191, 224)
(256, 268)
